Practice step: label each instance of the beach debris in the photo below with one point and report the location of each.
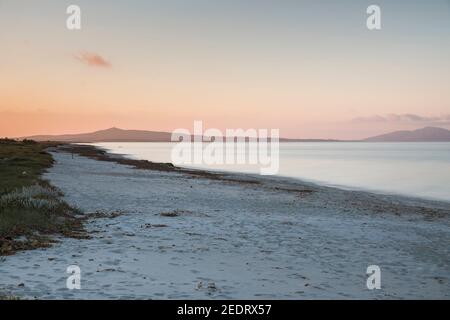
(174, 213)
(212, 286)
(163, 248)
(299, 192)
(104, 214)
(9, 245)
(440, 280)
(179, 212)
(106, 270)
(193, 234)
(129, 234)
(5, 248)
(149, 225)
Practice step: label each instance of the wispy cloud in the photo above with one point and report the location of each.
(93, 60)
(404, 118)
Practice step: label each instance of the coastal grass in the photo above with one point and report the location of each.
(21, 163)
(9, 298)
(30, 208)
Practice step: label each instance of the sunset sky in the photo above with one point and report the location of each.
(310, 68)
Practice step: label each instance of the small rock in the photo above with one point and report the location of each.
(129, 234)
(170, 214)
(212, 286)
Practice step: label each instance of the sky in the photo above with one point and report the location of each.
(309, 68)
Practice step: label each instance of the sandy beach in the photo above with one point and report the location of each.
(178, 236)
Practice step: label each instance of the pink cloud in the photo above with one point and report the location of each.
(93, 59)
(405, 118)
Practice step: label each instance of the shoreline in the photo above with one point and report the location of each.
(102, 154)
(190, 235)
(323, 181)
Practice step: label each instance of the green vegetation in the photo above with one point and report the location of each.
(21, 163)
(8, 297)
(30, 208)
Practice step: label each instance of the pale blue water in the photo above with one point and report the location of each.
(413, 169)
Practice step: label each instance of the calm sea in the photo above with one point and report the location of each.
(413, 169)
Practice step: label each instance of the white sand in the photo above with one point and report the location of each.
(250, 241)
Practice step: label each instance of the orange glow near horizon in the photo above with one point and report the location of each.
(307, 79)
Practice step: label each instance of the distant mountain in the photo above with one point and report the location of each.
(121, 135)
(427, 134)
(108, 135)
